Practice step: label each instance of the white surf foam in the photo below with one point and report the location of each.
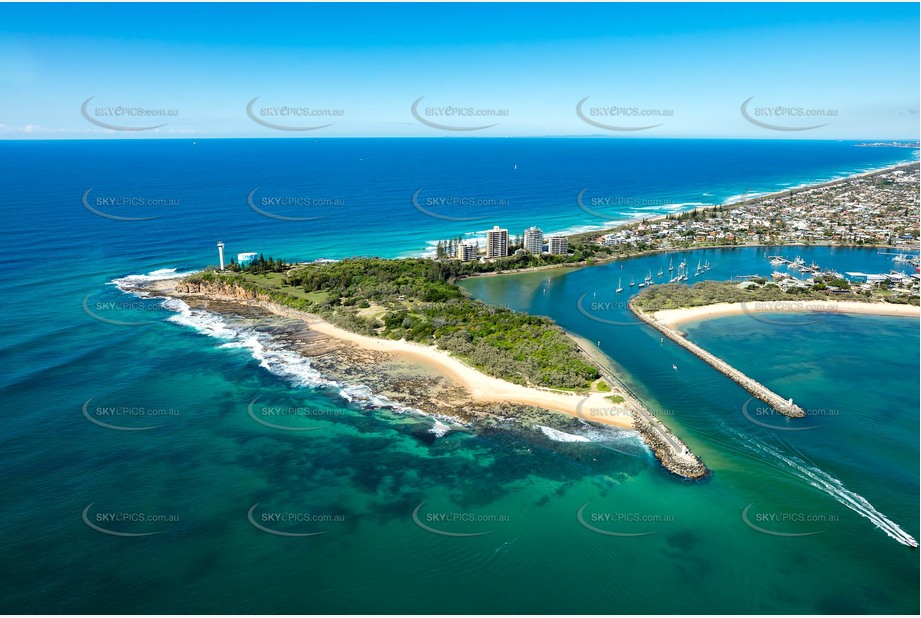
(439, 429)
(204, 322)
(162, 274)
(561, 436)
(742, 197)
(363, 396)
(272, 355)
(276, 359)
(624, 441)
(621, 440)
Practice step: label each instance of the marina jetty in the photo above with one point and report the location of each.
(778, 403)
(674, 455)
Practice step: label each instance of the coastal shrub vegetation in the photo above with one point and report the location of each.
(420, 302)
(677, 296)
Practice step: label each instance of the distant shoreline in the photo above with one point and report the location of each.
(674, 317)
(704, 207)
(774, 194)
(797, 189)
(608, 260)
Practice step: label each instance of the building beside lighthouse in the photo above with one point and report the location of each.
(245, 259)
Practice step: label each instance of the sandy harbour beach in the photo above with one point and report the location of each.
(673, 317)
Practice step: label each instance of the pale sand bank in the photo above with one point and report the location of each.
(673, 317)
(481, 387)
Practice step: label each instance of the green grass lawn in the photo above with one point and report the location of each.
(276, 281)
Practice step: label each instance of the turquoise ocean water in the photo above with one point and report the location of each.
(369, 481)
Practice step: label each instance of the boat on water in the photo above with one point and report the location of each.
(620, 288)
(632, 282)
(776, 260)
(682, 274)
(699, 269)
(671, 265)
(641, 285)
(707, 265)
(660, 273)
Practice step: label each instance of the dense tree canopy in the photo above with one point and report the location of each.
(417, 300)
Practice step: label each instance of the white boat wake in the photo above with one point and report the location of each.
(823, 481)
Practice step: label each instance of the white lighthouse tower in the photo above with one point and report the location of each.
(220, 253)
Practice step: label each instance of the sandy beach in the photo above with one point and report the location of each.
(481, 387)
(673, 317)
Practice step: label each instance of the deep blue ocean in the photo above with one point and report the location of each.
(80, 215)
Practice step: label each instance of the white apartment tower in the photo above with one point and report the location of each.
(558, 244)
(496, 243)
(466, 251)
(533, 240)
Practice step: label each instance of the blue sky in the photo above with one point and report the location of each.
(687, 69)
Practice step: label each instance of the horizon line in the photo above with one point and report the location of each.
(916, 140)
